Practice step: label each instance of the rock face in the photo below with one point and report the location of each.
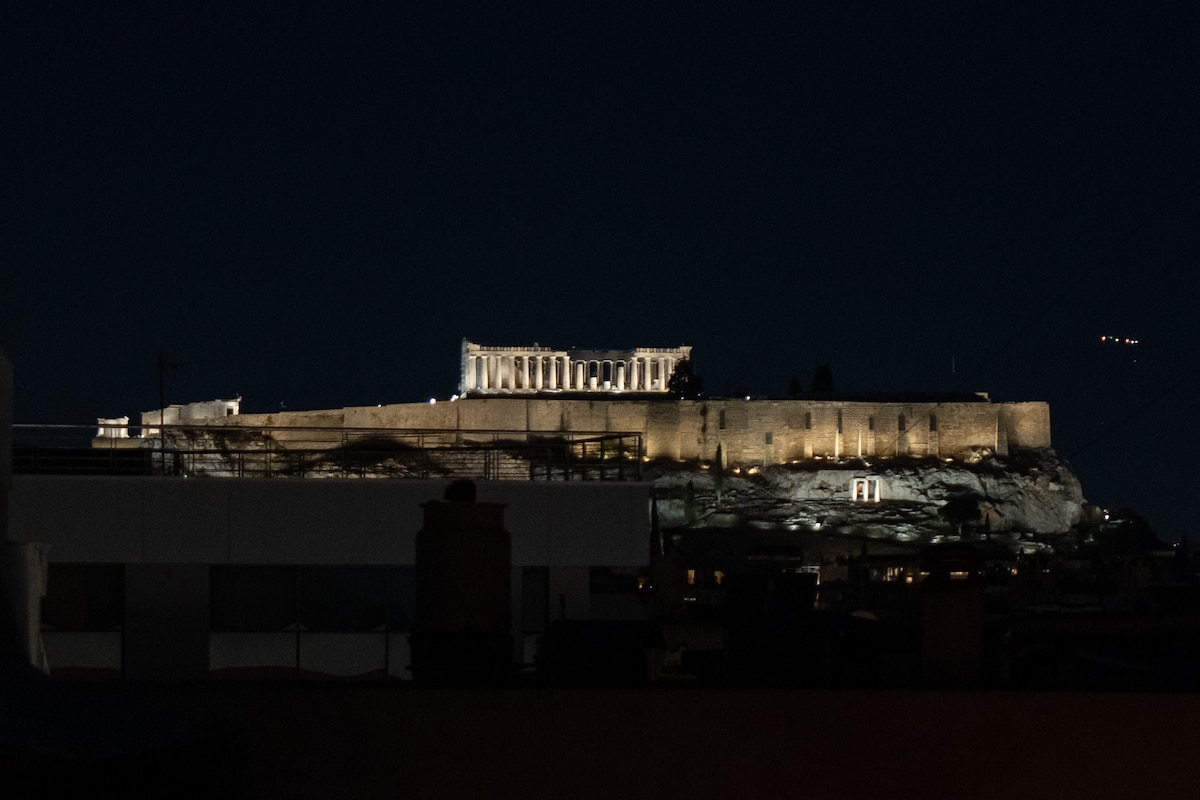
(1031, 492)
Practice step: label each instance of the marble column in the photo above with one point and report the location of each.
(620, 365)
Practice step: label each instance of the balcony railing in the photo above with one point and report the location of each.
(191, 450)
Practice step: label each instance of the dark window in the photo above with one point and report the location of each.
(252, 598)
(808, 420)
(721, 419)
(84, 597)
(770, 437)
(903, 424)
(401, 597)
(839, 428)
(870, 423)
(342, 598)
(933, 422)
(535, 599)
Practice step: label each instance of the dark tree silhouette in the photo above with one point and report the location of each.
(961, 509)
(794, 387)
(684, 382)
(823, 379)
(1126, 532)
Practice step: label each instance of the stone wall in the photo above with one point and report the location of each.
(748, 431)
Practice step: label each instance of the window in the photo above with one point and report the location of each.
(808, 420)
(903, 425)
(342, 598)
(252, 598)
(721, 419)
(933, 423)
(871, 424)
(769, 438)
(839, 422)
(535, 599)
(84, 597)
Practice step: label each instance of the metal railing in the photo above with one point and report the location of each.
(195, 450)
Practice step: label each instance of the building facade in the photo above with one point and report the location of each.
(159, 578)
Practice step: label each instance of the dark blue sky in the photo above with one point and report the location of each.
(312, 206)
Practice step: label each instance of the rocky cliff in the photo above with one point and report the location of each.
(1032, 492)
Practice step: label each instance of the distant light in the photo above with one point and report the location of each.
(747, 397)
(432, 400)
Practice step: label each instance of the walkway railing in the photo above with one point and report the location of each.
(320, 452)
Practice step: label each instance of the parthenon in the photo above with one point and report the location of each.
(538, 369)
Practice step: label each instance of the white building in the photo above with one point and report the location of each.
(161, 578)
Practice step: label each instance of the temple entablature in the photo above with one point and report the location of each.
(489, 370)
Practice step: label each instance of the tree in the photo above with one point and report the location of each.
(823, 379)
(794, 387)
(684, 382)
(961, 509)
(1125, 532)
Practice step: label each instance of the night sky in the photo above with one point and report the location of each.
(311, 206)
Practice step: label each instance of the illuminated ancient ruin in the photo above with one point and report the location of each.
(538, 369)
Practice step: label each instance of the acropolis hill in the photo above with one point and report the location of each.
(818, 448)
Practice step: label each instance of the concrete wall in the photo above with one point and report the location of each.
(755, 431)
(87, 519)
(6, 423)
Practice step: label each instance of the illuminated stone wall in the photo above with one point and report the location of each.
(191, 412)
(754, 431)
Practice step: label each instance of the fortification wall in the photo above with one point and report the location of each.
(755, 431)
(1026, 424)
